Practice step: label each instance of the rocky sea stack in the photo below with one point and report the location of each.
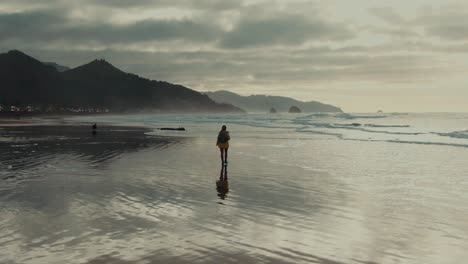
(294, 110)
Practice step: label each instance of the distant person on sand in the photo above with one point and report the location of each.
(94, 127)
(223, 144)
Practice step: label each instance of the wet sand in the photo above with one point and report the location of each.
(15, 122)
(129, 195)
(27, 146)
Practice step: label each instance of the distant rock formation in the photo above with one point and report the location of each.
(173, 129)
(273, 110)
(294, 110)
(27, 82)
(261, 103)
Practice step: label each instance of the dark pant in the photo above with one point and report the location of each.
(224, 154)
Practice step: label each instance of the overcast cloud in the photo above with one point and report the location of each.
(361, 55)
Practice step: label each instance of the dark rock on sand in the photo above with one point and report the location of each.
(173, 129)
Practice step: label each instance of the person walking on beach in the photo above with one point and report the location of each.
(223, 144)
(94, 127)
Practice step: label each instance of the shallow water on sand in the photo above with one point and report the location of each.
(128, 195)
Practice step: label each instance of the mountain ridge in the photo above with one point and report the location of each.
(97, 84)
(264, 103)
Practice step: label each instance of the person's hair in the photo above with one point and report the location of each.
(223, 128)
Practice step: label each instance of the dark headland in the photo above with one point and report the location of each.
(264, 103)
(30, 86)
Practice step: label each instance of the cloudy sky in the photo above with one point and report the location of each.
(362, 55)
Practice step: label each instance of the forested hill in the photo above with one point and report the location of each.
(266, 103)
(98, 84)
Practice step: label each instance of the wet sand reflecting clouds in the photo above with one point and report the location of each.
(129, 196)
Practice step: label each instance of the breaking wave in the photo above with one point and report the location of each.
(354, 126)
(350, 116)
(373, 125)
(455, 134)
(396, 127)
(428, 143)
(413, 142)
(315, 115)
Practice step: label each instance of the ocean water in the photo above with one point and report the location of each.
(425, 128)
(306, 188)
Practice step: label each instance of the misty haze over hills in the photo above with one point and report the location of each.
(98, 84)
(263, 103)
(58, 67)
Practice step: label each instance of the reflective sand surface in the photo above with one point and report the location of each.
(124, 196)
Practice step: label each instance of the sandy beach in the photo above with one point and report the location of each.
(30, 145)
(135, 194)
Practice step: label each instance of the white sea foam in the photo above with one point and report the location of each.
(315, 115)
(455, 134)
(374, 125)
(429, 143)
(350, 116)
(394, 127)
(410, 142)
(356, 126)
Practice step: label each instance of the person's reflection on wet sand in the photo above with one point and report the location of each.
(223, 174)
(222, 185)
